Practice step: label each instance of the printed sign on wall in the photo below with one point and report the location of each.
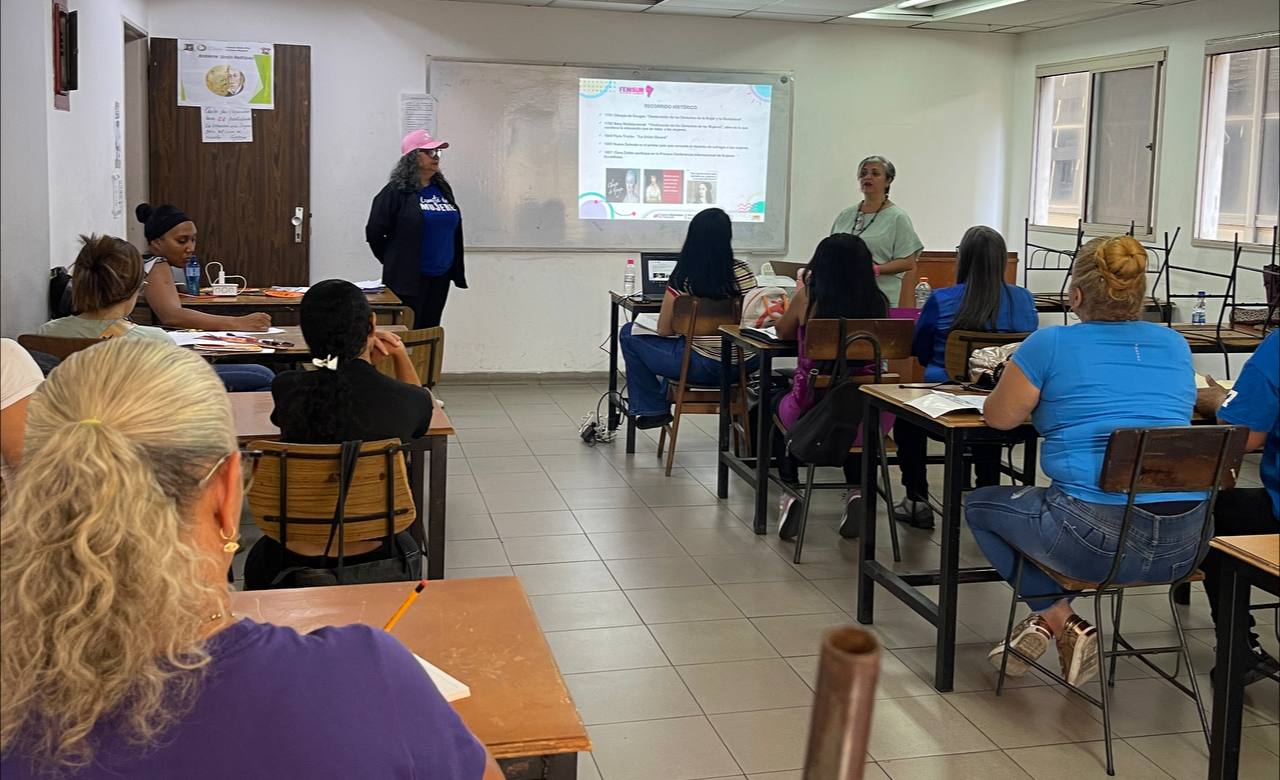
(226, 73)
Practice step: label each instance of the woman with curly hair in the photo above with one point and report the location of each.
(1078, 384)
(121, 657)
(415, 230)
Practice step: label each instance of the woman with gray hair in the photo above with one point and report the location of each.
(415, 230)
(882, 225)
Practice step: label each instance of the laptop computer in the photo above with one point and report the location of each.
(655, 270)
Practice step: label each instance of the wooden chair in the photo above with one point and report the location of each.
(1137, 461)
(60, 347)
(693, 316)
(426, 351)
(962, 343)
(297, 487)
(822, 342)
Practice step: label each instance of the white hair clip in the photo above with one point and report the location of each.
(329, 362)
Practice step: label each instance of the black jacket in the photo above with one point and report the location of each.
(394, 233)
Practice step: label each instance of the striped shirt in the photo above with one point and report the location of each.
(744, 279)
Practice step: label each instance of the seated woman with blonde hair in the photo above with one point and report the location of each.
(1078, 384)
(121, 657)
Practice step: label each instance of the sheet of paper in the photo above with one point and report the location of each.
(1202, 382)
(290, 289)
(646, 324)
(417, 112)
(936, 404)
(370, 284)
(225, 124)
(185, 338)
(450, 687)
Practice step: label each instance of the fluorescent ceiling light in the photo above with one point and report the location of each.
(932, 10)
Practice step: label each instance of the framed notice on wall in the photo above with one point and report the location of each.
(232, 74)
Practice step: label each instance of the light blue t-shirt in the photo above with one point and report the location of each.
(1254, 401)
(1096, 377)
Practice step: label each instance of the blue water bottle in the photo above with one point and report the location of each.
(193, 276)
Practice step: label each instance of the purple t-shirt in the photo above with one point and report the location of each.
(338, 702)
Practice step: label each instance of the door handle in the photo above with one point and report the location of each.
(297, 225)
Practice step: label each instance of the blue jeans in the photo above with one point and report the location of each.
(1078, 538)
(651, 357)
(244, 377)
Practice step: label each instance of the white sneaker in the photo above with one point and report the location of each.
(789, 509)
(1031, 637)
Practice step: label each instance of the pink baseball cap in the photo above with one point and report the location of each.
(421, 139)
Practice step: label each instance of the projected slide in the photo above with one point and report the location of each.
(668, 149)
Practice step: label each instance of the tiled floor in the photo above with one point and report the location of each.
(688, 642)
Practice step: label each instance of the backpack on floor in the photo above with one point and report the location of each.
(826, 433)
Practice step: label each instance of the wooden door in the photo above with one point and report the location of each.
(242, 196)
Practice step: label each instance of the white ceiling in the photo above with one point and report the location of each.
(1001, 16)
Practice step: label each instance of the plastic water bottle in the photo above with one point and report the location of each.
(923, 291)
(1198, 316)
(193, 276)
(629, 278)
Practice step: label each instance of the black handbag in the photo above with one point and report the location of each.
(824, 435)
(402, 565)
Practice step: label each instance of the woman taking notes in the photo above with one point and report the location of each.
(1078, 384)
(415, 230)
(980, 300)
(883, 225)
(121, 657)
(171, 237)
(706, 269)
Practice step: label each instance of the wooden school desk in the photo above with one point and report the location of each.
(283, 311)
(754, 470)
(616, 408)
(481, 631)
(252, 413)
(1246, 561)
(955, 430)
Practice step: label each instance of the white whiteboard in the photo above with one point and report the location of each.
(513, 157)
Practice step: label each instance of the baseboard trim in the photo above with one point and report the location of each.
(520, 378)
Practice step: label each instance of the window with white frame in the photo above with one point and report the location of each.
(1095, 142)
(1239, 184)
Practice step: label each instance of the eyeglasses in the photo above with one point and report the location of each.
(432, 153)
(249, 460)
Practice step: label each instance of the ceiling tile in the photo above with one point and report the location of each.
(820, 7)
(872, 22)
(816, 18)
(600, 6)
(957, 26)
(733, 5)
(689, 10)
(1031, 12)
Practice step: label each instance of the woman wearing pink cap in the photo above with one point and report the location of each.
(415, 230)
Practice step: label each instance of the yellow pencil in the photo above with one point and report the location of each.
(405, 606)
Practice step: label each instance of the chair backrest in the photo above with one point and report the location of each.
(425, 347)
(59, 346)
(1161, 460)
(693, 316)
(1174, 460)
(295, 492)
(962, 343)
(59, 292)
(822, 339)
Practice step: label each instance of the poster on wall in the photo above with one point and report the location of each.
(226, 73)
(417, 112)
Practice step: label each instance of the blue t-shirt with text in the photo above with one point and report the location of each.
(1098, 376)
(1254, 401)
(439, 224)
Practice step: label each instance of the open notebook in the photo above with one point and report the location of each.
(450, 688)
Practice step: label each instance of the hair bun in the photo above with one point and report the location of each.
(1122, 261)
(143, 212)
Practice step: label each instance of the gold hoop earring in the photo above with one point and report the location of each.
(231, 542)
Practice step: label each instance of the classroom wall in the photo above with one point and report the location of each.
(25, 82)
(82, 141)
(1183, 29)
(937, 104)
